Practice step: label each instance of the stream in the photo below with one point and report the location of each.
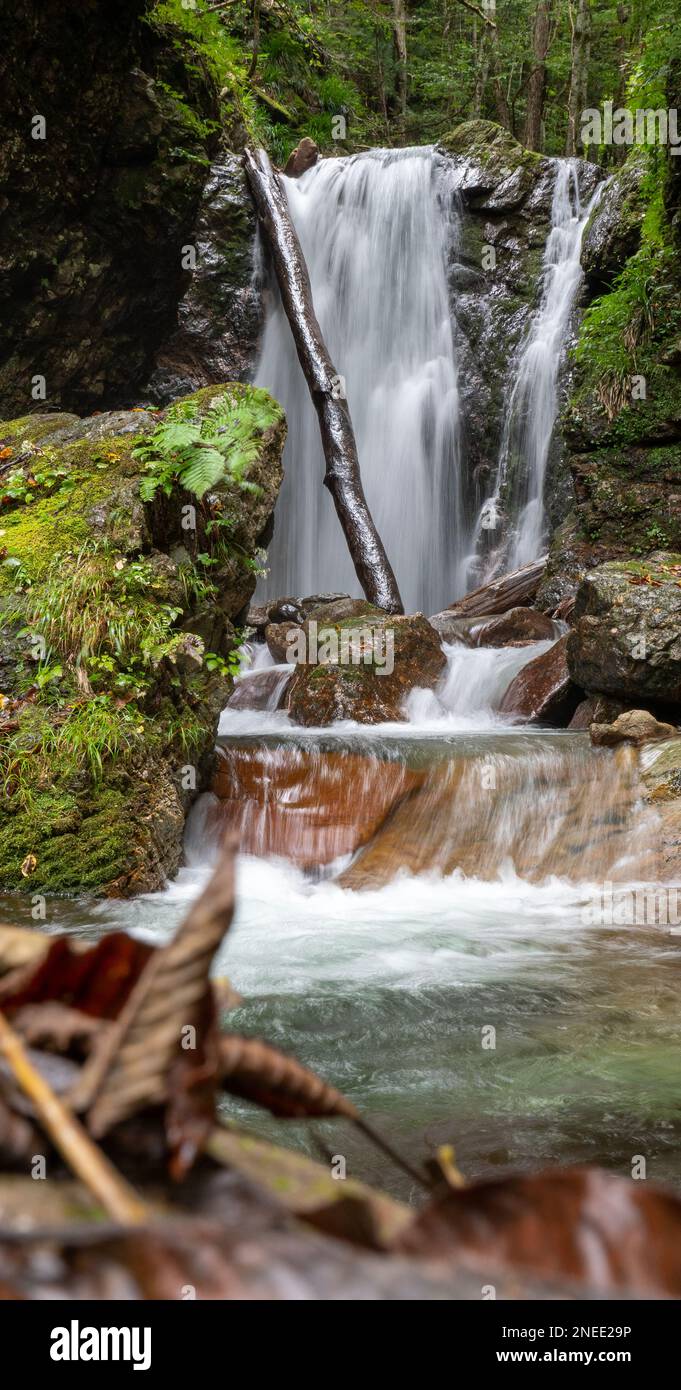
(390, 991)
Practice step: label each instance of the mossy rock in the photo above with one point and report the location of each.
(106, 613)
(626, 639)
(368, 664)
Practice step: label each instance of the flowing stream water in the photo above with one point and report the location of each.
(477, 909)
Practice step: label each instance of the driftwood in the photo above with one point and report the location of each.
(342, 475)
(513, 590)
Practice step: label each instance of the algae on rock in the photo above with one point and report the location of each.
(117, 640)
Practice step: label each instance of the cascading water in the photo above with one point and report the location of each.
(517, 502)
(375, 233)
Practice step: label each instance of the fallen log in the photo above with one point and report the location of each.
(513, 590)
(342, 476)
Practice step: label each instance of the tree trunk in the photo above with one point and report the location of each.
(516, 589)
(400, 40)
(536, 87)
(342, 475)
(579, 72)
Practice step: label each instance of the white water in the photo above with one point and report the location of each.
(375, 233)
(518, 501)
(467, 697)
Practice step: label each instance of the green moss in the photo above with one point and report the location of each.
(35, 428)
(61, 523)
(491, 145)
(119, 697)
(80, 843)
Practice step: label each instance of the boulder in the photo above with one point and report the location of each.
(634, 726)
(302, 158)
(278, 637)
(542, 691)
(129, 700)
(626, 638)
(363, 668)
(518, 625)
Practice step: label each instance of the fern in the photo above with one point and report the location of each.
(197, 452)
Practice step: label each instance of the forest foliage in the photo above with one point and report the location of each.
(405, 71)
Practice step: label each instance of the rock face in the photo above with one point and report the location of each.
(363, 668)
(305, 808)
(634, 726)
(542, 691)
(622, 425)
(661, 773)
(506, 193)
(219, 318)
(115, 644)
(626, 639)
(96, 213)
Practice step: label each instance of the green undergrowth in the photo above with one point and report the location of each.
(624, 333)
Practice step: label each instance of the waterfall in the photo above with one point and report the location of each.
(533, 401)
(376, 230)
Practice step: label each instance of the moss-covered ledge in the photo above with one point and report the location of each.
(118, 627)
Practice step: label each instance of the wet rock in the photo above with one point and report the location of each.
(219, 318)
(96, 215)
(257, 618)
(285, 610)
(263, 690)
(661, 776)
(279, 637)
(585, 802)
(449, 627)
(626, 639)
(364, 668)
(302, 158)
(613, 232)
(518, 625)
(596, 709)
(542, 691)
(305, 808)
(634, 726)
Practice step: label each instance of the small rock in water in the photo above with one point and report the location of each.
(264, 690)
(634, 726)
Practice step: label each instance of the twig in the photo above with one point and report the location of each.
(87, 1161)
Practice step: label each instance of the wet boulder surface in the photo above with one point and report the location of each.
(626, 638)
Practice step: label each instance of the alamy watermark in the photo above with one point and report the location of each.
(329, 646)
(634, 907)
(619, 125)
